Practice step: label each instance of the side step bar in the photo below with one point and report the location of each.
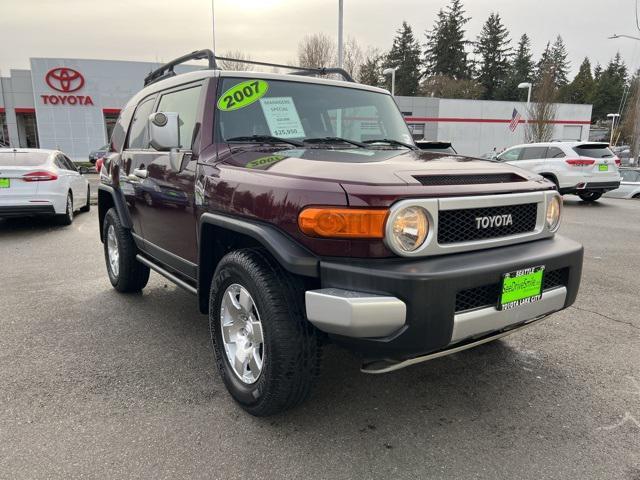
(386, 366)
(166, 274)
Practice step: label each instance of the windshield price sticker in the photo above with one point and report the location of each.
(242, 95)
(282, 117)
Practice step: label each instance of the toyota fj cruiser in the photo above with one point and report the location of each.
(298, 211)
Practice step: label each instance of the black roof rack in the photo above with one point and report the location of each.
(166, 71)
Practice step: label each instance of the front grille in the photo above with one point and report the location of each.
(487, 295)
(456, 226)
(437, 180)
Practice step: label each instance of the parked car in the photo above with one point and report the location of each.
(435, 146)
(585, 169)
(629, 186)
(299, 229)
(99, 153)
(35, 182)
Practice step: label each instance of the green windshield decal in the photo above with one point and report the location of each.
(265, 162)
(242, 95)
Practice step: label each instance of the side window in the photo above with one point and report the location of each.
(533, 153)
(185, 103)
(510, 155)
(60, 163)
(139, 130)
(70, 165)
(555, 152)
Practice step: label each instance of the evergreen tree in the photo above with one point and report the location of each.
(580, 90)
(520, 70)
(494, 51)
(445, 52)
(560, 63)
(371, 70)
(405, 54)
(554, 62)
(609, 88)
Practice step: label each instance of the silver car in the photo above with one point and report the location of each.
(629, 186)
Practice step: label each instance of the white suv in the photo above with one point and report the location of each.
(584, 169)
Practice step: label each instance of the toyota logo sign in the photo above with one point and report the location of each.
(64, 79)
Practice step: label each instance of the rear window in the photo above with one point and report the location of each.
(593, 151)
(630, 175)
(22, 159)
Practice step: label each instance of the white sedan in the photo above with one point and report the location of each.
(36, 182)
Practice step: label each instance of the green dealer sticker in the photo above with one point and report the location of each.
(521, 287)
(242, 95)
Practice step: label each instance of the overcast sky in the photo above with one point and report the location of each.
(151, 30)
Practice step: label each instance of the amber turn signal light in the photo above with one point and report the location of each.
(342, 222)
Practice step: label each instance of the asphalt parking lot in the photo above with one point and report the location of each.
(95, 384)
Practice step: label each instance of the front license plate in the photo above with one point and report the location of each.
(603, 168)
(521, 287)
(5, 183)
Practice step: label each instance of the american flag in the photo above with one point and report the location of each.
(515, 119)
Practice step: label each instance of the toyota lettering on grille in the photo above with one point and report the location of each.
(493, 221)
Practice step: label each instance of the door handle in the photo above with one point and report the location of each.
(140, 173)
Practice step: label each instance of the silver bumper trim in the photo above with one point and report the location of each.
(354, 314)
(485, 320)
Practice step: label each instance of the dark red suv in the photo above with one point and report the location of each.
(299, 211)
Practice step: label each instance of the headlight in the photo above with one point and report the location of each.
(554, 208)
(409, 228)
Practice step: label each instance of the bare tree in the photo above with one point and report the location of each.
(316, 51)
(231, 65)
(353, 57)
(442, 86)
(542, 111)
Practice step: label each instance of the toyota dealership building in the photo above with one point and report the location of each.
(72, 105)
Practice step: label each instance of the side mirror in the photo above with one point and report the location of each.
(83, 170)
(164, 131)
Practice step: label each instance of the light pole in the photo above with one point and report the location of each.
(392, 72)
(528, 86)
(340, 28)
(613, 117)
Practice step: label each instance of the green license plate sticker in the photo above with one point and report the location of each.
(521, 287)
(603, 168)
(242, 95)
(5, 183)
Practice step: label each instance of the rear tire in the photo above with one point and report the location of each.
(125, 272)
(67, 217)
(87, 207)
(590, 196)
(286, 352)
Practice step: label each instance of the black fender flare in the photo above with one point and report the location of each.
(119, 204)
(291, 255)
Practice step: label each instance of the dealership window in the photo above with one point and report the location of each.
(185, 103)
(417, 130)
(4, 130)
(110, 119)
(27, 130)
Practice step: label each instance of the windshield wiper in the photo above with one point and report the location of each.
(391, 141)
(265, 139)
(335, 140)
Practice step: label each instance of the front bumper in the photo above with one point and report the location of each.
(417, 306)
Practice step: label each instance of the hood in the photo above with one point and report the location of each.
(376, 166)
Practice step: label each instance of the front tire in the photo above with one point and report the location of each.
(267, 353)
(125, 272)
(67, 217)
(590, 196)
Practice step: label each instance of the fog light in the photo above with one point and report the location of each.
(409, 228)
(554, 209)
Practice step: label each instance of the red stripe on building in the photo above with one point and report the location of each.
(489, 120)
(1, 109)
(25, 110)
(111, 110)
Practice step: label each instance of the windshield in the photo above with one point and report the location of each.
(299, 111)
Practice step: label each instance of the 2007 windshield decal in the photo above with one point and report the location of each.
(241, 95)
